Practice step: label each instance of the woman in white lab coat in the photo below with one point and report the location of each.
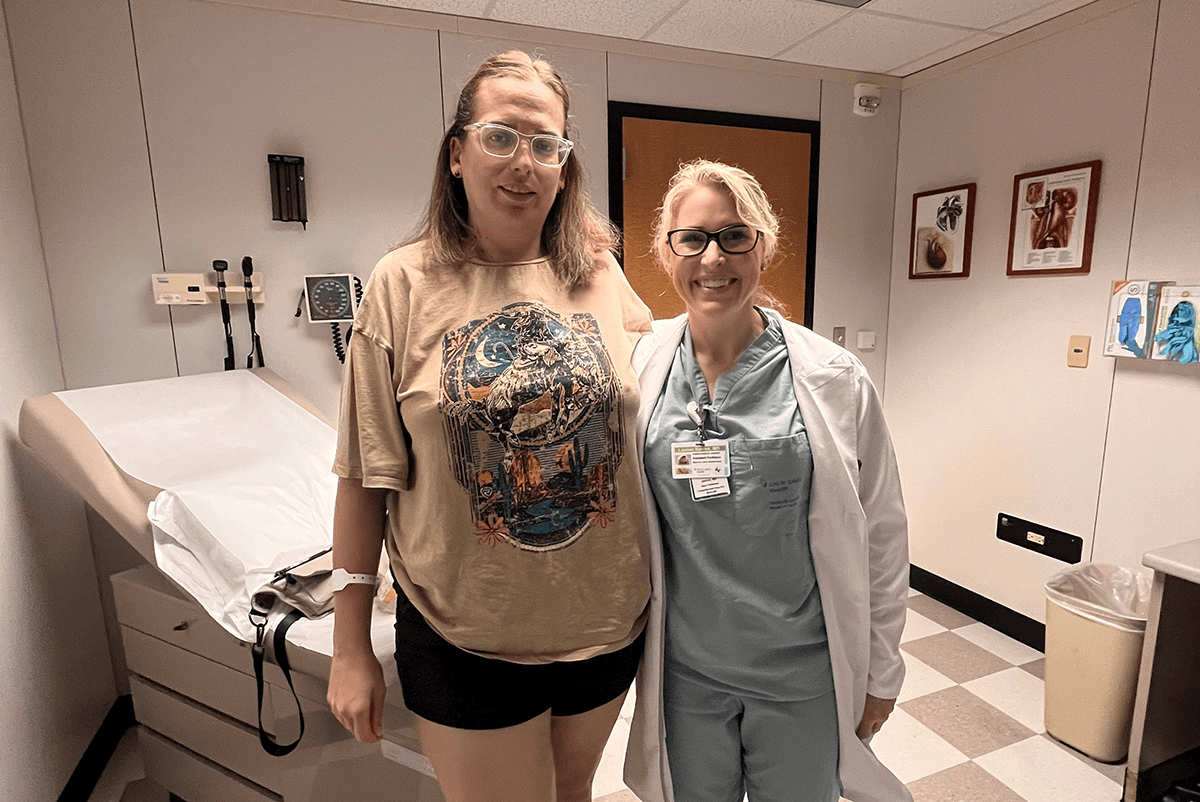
(731, 369)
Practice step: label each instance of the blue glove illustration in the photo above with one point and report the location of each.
(1131, 321)
(1179, 337)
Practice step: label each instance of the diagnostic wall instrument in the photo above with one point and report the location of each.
(255, 341)
(220, 265)
(333, 298)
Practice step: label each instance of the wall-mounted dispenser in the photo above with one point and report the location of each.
(288, 203)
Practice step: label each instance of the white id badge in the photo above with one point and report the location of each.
(703, 489)
(693, 459)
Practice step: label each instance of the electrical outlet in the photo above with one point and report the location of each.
(839, 335)
(1077, 350)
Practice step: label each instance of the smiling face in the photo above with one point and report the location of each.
(717, 287)
(508, 199)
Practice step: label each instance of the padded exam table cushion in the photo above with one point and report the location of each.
(60, 439)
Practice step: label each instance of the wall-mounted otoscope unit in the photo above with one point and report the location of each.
(194, 289)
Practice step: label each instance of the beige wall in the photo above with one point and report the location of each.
(181, 134)
(986, 414)
(55, 682)
(82, 113)
(1148, 493)
(854, 244)
(222, 87)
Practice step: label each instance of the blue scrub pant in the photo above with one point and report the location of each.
(722, 746)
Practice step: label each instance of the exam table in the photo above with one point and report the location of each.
(192, 679)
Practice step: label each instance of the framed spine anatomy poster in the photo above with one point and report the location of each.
(1053, 220)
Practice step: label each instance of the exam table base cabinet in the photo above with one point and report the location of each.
(195, 701)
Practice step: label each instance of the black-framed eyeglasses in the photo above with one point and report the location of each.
(738, 238)
(501, 141)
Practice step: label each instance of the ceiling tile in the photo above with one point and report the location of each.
(978, 15)
(627, 20)
(872, 43)
(462, 8)
(753, 28)
(945, 54)
(1041, 15)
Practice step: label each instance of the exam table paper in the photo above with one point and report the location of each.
(246, 485)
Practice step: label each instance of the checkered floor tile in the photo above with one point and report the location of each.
(968, 724)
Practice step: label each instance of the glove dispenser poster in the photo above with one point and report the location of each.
(1176, 337)
(1132, 314)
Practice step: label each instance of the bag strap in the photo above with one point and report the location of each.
(273, 747)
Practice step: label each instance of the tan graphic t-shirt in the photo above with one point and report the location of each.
(499, 409)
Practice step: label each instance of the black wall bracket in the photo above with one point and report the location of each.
(1042, 539)
(288, 203)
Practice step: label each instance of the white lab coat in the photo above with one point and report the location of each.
(859, 537)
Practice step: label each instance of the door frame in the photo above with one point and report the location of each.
(619, 110)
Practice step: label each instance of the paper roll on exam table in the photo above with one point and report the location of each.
(192, 679)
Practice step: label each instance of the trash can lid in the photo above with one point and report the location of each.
(1110, 593)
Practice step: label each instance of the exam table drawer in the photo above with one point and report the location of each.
(220, 687)
(190, 776)
(223, 740)
(148, 603)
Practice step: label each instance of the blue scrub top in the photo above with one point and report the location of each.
(742, 608)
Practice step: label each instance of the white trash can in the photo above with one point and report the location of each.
(1095, 623)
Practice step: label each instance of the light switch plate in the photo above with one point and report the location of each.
(839, 335)
(1077, 350)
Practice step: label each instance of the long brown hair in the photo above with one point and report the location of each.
(574, 232)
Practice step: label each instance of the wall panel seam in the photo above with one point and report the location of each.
(1137, 188)
(137, 69)
(37, 216)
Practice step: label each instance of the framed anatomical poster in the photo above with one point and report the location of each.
(1053, 220)
(940, 242)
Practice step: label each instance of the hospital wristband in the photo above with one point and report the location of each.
(342, 578)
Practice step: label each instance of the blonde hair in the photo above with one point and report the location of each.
(574, 233)
(748, 197)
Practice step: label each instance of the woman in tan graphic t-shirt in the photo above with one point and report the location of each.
(489, 407)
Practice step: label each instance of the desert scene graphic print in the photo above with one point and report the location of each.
(532, 411)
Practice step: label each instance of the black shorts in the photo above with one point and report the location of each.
(454, 688)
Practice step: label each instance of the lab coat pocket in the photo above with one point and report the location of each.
(771, 482)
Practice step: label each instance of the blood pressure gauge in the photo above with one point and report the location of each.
(331, 298)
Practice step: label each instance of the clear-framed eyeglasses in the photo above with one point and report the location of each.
(738, 238)
(501, 141)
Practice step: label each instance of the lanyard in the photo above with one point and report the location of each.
(698, 414)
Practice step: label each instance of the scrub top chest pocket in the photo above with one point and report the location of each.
(770, 483)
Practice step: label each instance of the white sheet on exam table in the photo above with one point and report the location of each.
(246, 480)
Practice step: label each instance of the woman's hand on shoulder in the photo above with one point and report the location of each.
(356, 694)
